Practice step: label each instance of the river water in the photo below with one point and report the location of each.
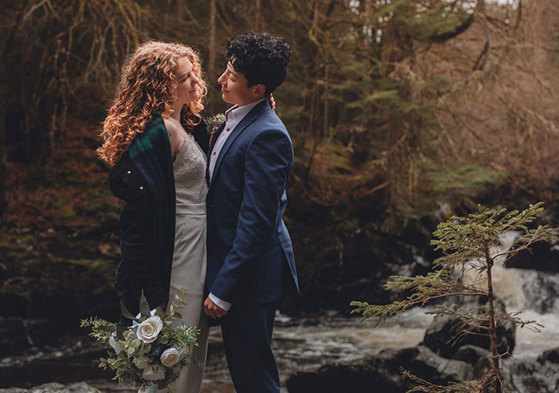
(306, 343)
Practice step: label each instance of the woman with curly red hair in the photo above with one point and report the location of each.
(156, 142)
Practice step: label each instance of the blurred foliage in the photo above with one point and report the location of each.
(385, 101)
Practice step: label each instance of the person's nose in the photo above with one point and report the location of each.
(195, 80)
(221, 79)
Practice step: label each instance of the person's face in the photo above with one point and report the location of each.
(187, 88)
(235, 89)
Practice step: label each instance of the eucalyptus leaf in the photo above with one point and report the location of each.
(144, 306)
(124, 311)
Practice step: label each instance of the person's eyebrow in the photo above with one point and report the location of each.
(231, 69)
(183, 75)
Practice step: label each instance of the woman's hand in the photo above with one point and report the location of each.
(272, 101)
(213, 310)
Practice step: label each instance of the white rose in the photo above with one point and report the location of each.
(152, 312)
(170, 357)
(115, 344)
(151, 375)
(149, 329)
(183, 352)
(141, 362)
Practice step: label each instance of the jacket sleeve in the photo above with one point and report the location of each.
(139, 255)
(139, 270)
(268, 161)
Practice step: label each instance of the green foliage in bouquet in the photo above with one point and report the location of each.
(153, 350)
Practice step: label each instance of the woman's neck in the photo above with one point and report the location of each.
(176, 115)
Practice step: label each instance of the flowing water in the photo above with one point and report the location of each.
(306, 343)
(302, 344)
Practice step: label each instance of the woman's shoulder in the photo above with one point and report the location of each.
(155, 136)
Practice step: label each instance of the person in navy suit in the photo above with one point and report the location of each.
(250, 256)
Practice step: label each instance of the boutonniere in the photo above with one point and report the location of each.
(213, 123)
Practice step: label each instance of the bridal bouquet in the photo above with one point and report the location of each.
(152, 351)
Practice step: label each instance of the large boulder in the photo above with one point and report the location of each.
(537, 376)
(13, 337)
(541, 290)
(440, 337)
(19, 334)
(543, 257)
(383, 371)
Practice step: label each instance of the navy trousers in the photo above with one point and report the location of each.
(247, 337)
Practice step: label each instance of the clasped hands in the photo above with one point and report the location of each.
(213, 310)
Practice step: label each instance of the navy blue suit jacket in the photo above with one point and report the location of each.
(250, 256)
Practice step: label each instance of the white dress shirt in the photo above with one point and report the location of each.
(233, 116)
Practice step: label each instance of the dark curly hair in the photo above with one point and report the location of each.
(260, 57)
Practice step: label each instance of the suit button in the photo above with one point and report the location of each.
(212, 205)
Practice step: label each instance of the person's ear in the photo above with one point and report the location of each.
(260, 90)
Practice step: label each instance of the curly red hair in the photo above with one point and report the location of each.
(147, 88)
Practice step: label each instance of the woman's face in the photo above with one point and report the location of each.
(187, 88)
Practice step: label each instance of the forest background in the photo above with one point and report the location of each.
(402, 113)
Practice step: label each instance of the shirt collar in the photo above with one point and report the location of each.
(236, 113)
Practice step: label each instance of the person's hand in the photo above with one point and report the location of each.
(272, 101)
(212, 310)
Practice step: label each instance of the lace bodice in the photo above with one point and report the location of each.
(190, 174)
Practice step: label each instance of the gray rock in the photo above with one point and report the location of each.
(542, 256)
(531, 376)
(440, 369)
(13, 390)
(13, 336)
(551, 356)
(54, 387)
(80, 387)
(439, 337)
(470, 354)
(541, 290)
(383, 372)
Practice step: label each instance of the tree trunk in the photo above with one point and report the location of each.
(212, 49)
(180, 8)
(3, 158)
(492, 321)
(326, 127)
(258, 16)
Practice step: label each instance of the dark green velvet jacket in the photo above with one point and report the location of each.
(144, 179)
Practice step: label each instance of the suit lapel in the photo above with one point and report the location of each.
(243, 124)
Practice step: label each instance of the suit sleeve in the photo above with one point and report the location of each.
(268, 161)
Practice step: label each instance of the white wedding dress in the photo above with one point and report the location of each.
(189, 257)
